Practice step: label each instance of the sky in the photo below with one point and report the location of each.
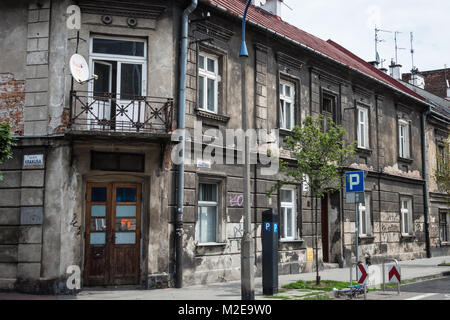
(351, 23)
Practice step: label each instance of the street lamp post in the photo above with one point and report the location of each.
(247, 249)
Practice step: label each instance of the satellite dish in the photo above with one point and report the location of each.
(79, 68)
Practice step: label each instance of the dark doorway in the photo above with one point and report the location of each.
(325, 232)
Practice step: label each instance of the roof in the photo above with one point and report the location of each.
(328, 48)
(438, 105)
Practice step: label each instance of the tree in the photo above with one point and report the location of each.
(6, 143)
(319, 154)
(442, 172)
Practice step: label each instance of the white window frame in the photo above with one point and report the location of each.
(288, 205)
(119, 59)
(406, 225)
(363, 127)
(403, 139)
(289, 99)
(367, 222)
(215, 76)
(201, 204)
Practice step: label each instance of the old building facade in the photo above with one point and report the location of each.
(92, 183)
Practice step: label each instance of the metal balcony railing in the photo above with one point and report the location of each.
(112, 112)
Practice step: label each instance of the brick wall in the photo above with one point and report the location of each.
(12, 98)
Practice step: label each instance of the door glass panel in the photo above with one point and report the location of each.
(125, 211)
(126, 224)
(125, 237)
(201, 92)
(98, 211)
(98, 194)
(103, 83)
(126, 194)
(98, 224)
(121, 47)
(98, 238)
(211, 93)
(130, 81)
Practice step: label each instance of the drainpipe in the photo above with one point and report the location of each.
(181, 125)
(425, 186)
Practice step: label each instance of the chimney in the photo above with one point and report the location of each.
(417, 79)
(271, 6)
(395, 70)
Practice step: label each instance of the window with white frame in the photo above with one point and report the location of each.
(403, 139)
(406, 216)
(208, 213)
(365, 222)
(287, 105)
(363, 127)
(287, 212)
(208, 82)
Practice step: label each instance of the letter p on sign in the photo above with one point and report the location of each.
(354, 181)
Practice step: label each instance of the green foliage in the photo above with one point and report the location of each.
(6, 143)
(442, 173)
(325, 285)
(319, 154)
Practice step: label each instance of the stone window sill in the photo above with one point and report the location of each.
(212, 116)
(364, 150)
(405, 160)
(285, 132)
(211, 244)
(368, 237)
(407, 236)
(291, 240)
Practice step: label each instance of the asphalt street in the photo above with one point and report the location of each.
(436, 289)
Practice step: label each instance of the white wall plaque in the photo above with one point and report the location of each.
(33, 160)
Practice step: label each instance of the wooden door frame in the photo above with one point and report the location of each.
(110, 220)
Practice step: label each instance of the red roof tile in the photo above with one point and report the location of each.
(328, 48)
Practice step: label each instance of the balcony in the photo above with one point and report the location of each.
(111, 113)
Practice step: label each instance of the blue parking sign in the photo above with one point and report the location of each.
(354, 181)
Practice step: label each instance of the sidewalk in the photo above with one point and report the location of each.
(413, 269)
(232, 290)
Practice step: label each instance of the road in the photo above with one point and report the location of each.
(436, 289)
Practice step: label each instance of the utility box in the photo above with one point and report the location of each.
(269, 235)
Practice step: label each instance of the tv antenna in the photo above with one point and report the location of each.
(396, 46)
(412, 51)
(377, 41)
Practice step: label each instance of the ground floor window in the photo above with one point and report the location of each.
(287, 213)
(365, 222)
(208, 213)
(406, 216)
(443, 225)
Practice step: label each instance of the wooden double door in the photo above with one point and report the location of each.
(112, 234)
